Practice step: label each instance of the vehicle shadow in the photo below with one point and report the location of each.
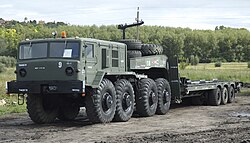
(80, 121)
(23, 121)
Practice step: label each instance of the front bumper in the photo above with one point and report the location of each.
(46, 87)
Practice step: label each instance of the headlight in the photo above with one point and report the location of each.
(22, 72)
(69, 71)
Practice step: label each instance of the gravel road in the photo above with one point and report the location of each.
(225, 123)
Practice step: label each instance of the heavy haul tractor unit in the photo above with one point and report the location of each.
(112, 80)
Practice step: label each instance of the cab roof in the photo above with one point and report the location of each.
(90, 40)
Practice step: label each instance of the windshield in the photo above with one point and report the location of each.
(65, 50)
(56, 50)
(35, 50)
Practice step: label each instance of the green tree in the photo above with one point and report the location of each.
(173, 45)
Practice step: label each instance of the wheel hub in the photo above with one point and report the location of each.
(218, 96)
(153, 98)
(108, 101)
(225, 95)
(166, 96)
(232, 94)
(128, 101)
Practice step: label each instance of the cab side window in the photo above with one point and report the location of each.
(115, 58)
(104, 58)
(89, 51)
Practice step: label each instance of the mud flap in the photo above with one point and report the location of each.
(174, 79)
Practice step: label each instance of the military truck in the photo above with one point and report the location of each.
(112, 80)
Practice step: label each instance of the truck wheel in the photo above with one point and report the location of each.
(132, 44)
(125, 100)
(231, 95)
(134, 53)
(40, 109)
(215, 97)
(68, 111)
(101, 103)
(146, 101)
(224, 96)
(164, 96)
(151, 49)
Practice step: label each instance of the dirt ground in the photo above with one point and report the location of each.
(225, 123)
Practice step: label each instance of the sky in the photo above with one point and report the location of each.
(194, 14)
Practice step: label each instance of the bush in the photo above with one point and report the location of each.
(12, 62)
(183, 65)
(8, 61)
(194, 60)
(217, 64)
(187, 61)
(248, 64)
(4, 60)
(2, 68)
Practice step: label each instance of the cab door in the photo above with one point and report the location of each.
(90, 60)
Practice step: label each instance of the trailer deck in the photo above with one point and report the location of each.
(200, 85)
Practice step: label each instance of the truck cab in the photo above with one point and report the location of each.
(65, 65)
(60, 75)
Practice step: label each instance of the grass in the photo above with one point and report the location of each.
(11, 105)
(228, 71)
(12, 109)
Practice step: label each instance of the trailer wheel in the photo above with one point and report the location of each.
(164, 96)
(125, 100)
(101, 103)
(146, 101)
(215, 97)
(68, 111)
(224, 96)
(151, 49)
(132, 44)
(41, 109)
(231, 94)
(134, 53)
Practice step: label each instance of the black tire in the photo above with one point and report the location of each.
(101, 103)
(164, 96)
(124, 100)
(40, 109)
(68, 111)
(215, 97)
(132, 44)
(134, 53)
(231, 94)
(146, 101)
(224, 96)
(151, 49)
